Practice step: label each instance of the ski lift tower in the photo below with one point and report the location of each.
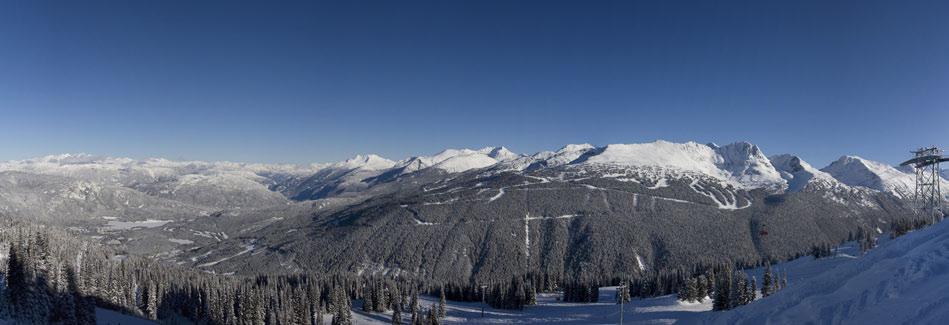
(926, 161)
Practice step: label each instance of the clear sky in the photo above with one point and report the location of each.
(277, 81)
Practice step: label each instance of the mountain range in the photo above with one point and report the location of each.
(464, 214)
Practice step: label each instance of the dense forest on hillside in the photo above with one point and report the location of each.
(52, 276)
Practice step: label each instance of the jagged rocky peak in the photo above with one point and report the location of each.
(797, 172)
(749, 165)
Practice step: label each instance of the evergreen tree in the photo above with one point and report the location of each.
(754, 289)
(736, 291)
(18, 284)
(396, 314)
(767, 281)
(710, 285)
(415, 309)
(701, 288)
(722, 292)
(622, 293)
(684, 293)
(367, 303)
(432, 317)
(441, 303)
(532, 295)
(342, 312)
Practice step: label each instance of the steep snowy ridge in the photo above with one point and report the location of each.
(799, 174)
(749, 166)
(903, 281)
(857, 171)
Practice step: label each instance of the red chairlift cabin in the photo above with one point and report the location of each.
(763, 231)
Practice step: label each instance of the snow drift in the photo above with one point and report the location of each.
(903, 281)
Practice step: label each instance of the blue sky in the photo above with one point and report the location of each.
(315, 81)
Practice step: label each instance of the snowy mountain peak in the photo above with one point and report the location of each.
(499, 153)
(798, 173)
(576, 147)
(749, 165)
(366, 162)
(857, 171)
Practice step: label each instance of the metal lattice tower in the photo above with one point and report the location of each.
(928, 199)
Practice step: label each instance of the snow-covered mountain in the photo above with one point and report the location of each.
(741, 162)
(857, 171)
(458, 160)
(799, 174)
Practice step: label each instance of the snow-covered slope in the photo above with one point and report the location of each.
(688, 157)
(857, 171)
(742, 163)
(904, 281)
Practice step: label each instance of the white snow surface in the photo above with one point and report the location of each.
(903, 281)
(741, 163)
(691, 157)
(111, 317)
(466, 162)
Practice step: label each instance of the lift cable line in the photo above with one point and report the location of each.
(928, 198)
